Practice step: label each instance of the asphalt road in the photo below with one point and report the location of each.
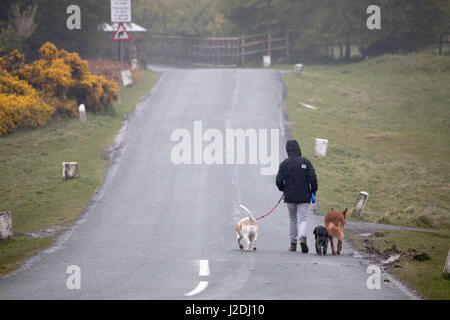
(153, 221)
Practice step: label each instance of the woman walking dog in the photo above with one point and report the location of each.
(297, 180)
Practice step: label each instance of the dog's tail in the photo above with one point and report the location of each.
(335, 231)
(250, 216)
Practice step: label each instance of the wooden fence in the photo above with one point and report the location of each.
(443, 38)
(216, 51)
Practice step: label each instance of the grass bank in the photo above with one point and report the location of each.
(387, 122)
(424, 275)
(31, 186)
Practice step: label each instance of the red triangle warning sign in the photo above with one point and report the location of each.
(121, 34)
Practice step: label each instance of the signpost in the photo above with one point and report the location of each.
(120, 13)
(121, 35)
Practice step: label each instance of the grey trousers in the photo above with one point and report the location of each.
(297, 220)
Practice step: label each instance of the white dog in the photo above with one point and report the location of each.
(247, 228)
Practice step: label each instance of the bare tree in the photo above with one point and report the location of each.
(21, 24)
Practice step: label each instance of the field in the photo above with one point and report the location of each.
(387, 122)
(31, 185)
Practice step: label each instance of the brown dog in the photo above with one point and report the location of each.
(334, 222)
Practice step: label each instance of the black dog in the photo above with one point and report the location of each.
(321, 235)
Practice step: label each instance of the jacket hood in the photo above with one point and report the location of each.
(293, 148)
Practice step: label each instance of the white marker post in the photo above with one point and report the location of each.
(127, 78)
(320, 148)
(6, 227)
(447, 265)
(82, 112)
(134, 64)
(266, 61)
(69, 170)
(360, 204)
(298, 69)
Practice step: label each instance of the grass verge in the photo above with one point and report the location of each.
(31, 186)
(387, 122)
(425, 276)
(387, 125)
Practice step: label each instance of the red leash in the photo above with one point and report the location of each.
(271, 210)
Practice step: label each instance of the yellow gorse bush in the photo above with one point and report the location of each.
(20, 105)
(53, 85)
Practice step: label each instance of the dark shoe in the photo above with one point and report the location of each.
(293, 247)
(304, 245)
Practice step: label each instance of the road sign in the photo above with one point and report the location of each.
(121, 34)
(120, 10)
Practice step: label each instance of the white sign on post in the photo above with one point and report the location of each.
(120, 10)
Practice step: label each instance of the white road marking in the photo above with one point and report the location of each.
(204, 268)
(202, 285)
